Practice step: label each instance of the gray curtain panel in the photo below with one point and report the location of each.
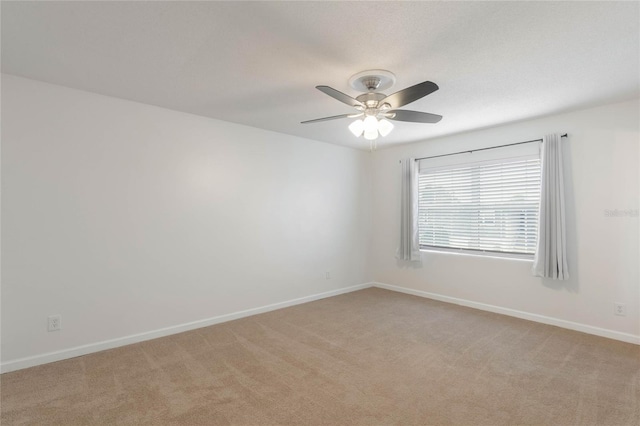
(551, 254)
(409, 244)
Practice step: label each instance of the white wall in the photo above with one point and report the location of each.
(602, 173)
(126, 218)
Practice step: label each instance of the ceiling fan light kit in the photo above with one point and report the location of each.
(371, 125)
(375, 109)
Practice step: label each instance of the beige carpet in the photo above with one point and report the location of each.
(372, 357)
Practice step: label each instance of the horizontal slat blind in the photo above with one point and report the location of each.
(483, 206)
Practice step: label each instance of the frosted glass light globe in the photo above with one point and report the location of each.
(370, 124)
(357, 127)
(385, 127)
(370, 135)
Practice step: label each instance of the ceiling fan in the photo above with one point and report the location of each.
(374, 109)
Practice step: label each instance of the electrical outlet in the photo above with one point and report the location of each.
(54, 322)
(620, 309)
(327, 275)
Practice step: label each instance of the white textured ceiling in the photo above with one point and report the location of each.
(257, 63)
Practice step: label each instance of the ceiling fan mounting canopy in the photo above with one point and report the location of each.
(370, 80)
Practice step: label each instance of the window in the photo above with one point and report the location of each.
(481, 202)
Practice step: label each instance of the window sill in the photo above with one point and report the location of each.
(490, 255)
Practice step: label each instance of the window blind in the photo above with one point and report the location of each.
(489, 206)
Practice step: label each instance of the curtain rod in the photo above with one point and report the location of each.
(482, 149)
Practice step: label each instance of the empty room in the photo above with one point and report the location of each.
(320, 213)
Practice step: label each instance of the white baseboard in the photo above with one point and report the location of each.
(589, 329)
(32, 361)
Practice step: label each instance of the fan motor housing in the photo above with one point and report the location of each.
(371, 99)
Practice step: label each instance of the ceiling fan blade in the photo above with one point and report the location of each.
(335, 94)
(410, 94)
(334, 117)
(413, 116)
